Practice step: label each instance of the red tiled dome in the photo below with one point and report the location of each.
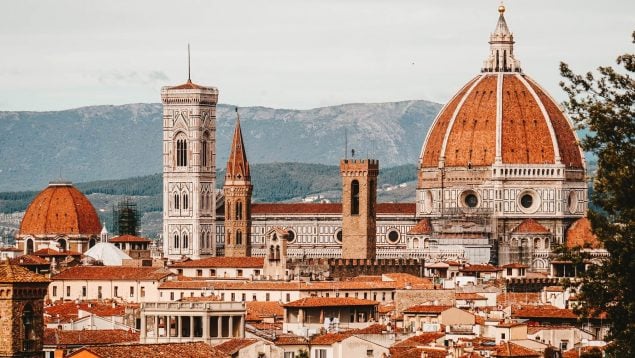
(60, 209)
(532, 128)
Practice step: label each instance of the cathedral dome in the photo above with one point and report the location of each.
(60, 209)
(501, 116)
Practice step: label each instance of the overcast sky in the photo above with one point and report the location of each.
(289, 54)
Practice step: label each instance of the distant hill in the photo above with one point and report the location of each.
(272, 183)
(91, 143)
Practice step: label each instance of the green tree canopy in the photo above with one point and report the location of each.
(603, 103)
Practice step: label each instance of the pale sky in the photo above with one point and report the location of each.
(288, 53)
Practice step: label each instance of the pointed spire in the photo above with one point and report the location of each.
(189, 74)
(237, 164)
(501, 41)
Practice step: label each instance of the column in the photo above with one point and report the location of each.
(179, 326)
(206, 328)
(231, 326)
(156, 327)
(191, 326)
(144, 333)
(242, 326)
(220, 326)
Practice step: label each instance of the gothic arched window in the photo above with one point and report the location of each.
(186, 242)
(181, 152)
(27, 322)
(176, 241)
(239, 210)
(177, 201)
(239, 237)
(204, 149)
(185, 201)
(354, 197)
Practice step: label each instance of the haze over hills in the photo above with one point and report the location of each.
(112, 142)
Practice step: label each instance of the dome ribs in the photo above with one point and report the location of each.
(60, 209)
(434, 141)
(473, 134)
(524, 140)
(567, 142)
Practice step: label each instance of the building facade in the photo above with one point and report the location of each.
(189, 169)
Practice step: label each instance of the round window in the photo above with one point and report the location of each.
(471, 200)
(393, 236)
(338, 236)
(291, 236)
(526, 201)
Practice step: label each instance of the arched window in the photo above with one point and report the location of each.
(355, 197)
(229, 238)
(277, 252)
(91, 243)
(181, 152)
(177, 201)
(29, 326)
(204, 153)
(239, 210)
(186, 242)
(186, 201)
(202, 244)
(239, 237)
(176, 241)
(62, 243)
(272, 254)
(29, 246)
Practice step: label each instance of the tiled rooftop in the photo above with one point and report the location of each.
(222, 261)
(530, 226)
(435, 309)
(234, 345)
(330, 302)
(55, 337)
(17, 274)
(112, 273)
(136, 350)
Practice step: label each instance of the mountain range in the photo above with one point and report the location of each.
(114, 142)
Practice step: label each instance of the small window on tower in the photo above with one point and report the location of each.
(354, 197)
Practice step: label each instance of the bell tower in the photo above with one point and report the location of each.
(189, 169)
(359, 203)
(21, 311)
(237, 190)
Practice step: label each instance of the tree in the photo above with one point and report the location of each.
(603, 104)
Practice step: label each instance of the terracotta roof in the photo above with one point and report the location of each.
(330, 302)
(129, 238)
(554, 289)
(55, 337)
(222, 261)
(480, 268)
(112, 273)
(237, 164)
(48, 252)
(326, 208)
(530, 226)
(468, 296)
(69, 310)
(423, 227)
(402, 280)
(290, 340)
(28, 260)
(518, 298)
(544, 311)
(329, 338)
(17, 274)
(510, 324)
(435, 309)
(508, 349)
(418, 352)
(515, 265)
(136, 350)
(257, 310)
(60, 209)
(187, 85)
(278, 285)
(469, 128)
(580, 234)
(234, 345)
(420, 339)
(386, 308)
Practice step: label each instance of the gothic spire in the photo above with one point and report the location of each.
(501, 44)
(237, 164)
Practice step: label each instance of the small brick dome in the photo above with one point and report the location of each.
(505, 115)
(60, 209)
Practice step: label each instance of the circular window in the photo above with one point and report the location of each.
(471, 200)
(291, 236)
(338, 236)
(572, 202)
(393, 236)
(526, 201)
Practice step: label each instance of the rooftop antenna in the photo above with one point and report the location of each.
(345, 144)
(189, 77)
(237, 114)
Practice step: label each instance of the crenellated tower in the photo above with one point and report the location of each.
(359, 204)
(189, 170)
(237, 191)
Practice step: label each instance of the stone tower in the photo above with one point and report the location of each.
(237, 191)
(21, 311)
(359, 203)
(189, 170)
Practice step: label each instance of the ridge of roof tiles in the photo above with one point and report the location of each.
(329, 302)
(222, 261)
(530, 226)
(17, 274)
(112, 273)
